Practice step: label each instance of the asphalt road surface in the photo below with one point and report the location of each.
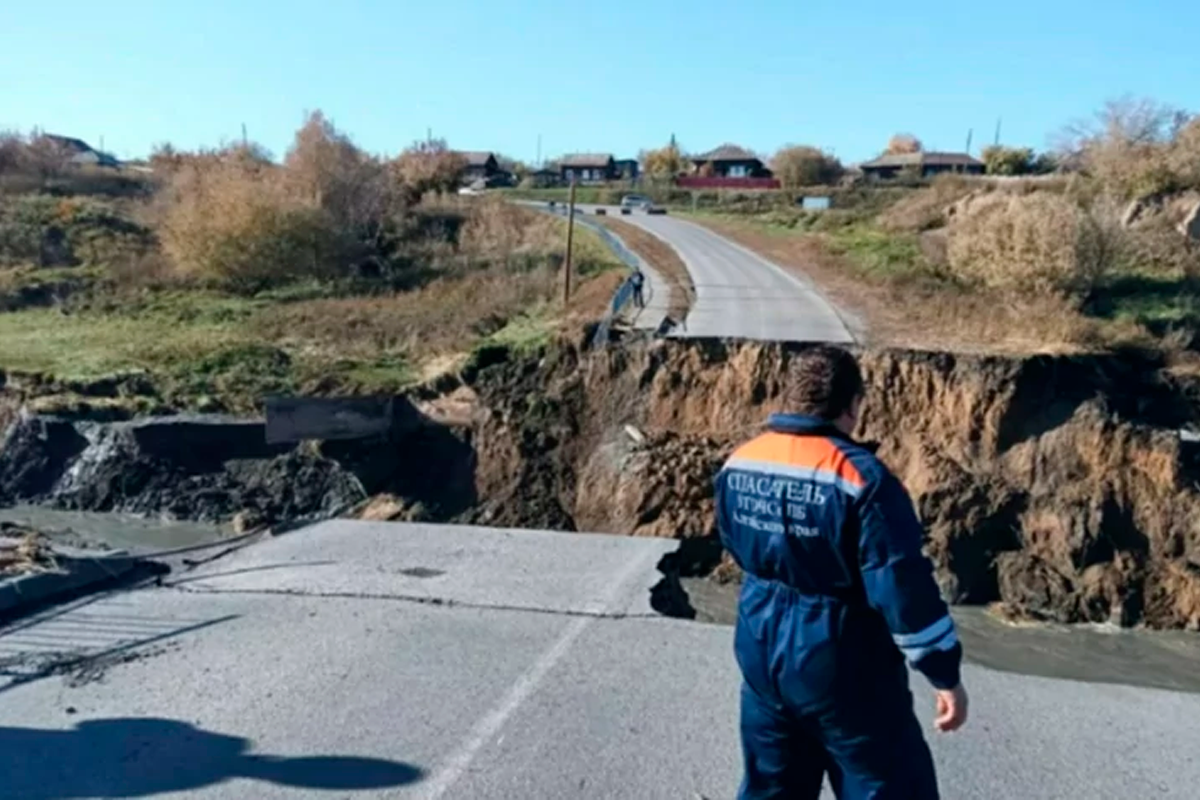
(426, 662)
(740, 294)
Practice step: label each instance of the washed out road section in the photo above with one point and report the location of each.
(305, 664)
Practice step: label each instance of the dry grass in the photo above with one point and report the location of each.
(922, 315)
(494, 226)
(23, 552)
(665, 260)
(925, 209)
(1035, 244)
(1174, 593)
(434, 320)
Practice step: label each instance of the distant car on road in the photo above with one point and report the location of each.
(636, 201)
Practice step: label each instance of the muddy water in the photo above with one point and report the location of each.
(116, 531)
(1098, 654)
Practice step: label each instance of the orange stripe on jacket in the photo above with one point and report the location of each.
(817, 453)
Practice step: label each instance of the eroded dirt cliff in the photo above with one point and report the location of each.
(1058, 487)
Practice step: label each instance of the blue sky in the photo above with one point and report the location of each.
(613, 76)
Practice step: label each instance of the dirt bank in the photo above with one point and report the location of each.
(1057, 487)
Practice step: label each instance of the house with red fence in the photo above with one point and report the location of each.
(728, 167)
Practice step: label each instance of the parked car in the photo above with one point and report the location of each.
(636, 201)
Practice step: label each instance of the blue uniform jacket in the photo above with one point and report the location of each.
(837, 591)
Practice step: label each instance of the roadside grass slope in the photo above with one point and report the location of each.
(230, 277)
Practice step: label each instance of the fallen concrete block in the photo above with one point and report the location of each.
(204, 437)
(297, 419)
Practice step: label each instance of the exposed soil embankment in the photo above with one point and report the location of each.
(1059, 487)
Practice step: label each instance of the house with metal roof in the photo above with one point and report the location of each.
(481, 165)
(927, 165)
(79, 152)
(588, 167)
(730, 161)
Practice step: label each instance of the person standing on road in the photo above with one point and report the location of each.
(837, 594)
(638, 281)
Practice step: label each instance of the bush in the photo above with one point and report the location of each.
(1001, 160)
(241, 227)
(665, 163)
(1036, 244)
(800, 165)
(1184, 158)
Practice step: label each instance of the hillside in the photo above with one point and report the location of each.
(223, 276)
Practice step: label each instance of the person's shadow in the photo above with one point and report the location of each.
(145, 757)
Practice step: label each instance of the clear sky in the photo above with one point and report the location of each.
(613, 76)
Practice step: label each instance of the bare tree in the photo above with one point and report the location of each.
(326, 168)
(46, 156)
(12, 151)
(1127, 145)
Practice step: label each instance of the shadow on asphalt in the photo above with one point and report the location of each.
(140, 757)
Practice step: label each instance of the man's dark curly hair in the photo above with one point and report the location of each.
(822, 381)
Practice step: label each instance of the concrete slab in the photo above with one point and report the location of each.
(449, 564)
(639, 708)
(260, 697)
(297, 685)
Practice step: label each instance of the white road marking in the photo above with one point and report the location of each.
(486, 728)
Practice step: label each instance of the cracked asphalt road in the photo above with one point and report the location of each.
(419, 661)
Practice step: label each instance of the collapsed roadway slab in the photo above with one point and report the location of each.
(431, 662)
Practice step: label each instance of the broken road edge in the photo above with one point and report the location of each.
(75, 577)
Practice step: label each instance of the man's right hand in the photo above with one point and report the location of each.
(951, 709)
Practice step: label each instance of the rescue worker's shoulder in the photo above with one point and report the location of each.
(861, 457)
(821, 458)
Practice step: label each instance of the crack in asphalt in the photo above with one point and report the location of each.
(441, 602)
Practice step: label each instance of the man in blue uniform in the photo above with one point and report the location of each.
(837, 594)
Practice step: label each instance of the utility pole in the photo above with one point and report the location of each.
(970, 133)
(538, 162)
(998, 121)
(570, 241)
(245, 141)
